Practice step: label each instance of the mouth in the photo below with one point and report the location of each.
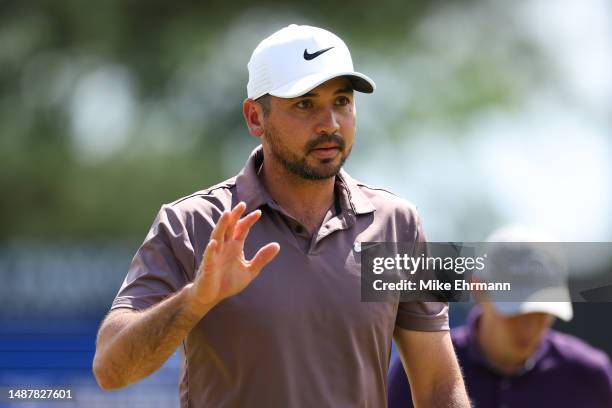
(523, 344)
(326, 151)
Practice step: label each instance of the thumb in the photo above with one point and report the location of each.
(263, 257)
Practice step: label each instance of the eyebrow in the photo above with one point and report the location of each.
(346, 89)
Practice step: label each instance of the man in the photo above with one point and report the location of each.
(280, 324)
(509, 355)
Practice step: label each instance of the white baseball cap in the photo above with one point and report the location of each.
(546, 290)
(298, 58)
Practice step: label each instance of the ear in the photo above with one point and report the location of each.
(254, 117)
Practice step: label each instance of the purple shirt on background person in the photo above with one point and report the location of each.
(563, 372)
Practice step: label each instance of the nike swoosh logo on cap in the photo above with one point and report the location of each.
(308, 56)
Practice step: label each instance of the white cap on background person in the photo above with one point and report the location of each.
(533, 261)
(297, 59)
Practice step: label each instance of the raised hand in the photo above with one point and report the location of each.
(224, 271)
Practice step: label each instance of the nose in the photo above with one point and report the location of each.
(327, 122)
(534, 323)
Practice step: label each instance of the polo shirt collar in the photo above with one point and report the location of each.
(478, 355)
(249, 187)
(358, 200)
(251, 190)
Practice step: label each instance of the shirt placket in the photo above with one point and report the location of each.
(337, 223)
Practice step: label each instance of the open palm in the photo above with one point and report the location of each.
(224, 271)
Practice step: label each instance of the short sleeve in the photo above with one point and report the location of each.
(162, 265)
(422, 316)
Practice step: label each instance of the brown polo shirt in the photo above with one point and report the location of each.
(298, 335)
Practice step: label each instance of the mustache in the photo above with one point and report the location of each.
(326, 138)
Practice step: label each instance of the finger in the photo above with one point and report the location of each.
(245, 224)
(233, 219)
(208, 259)
(263, 257)
(219, 231)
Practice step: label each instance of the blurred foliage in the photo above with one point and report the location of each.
(171, 77)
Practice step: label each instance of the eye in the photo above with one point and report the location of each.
(304, 104)
(343, 101)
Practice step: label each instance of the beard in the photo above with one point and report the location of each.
(298, 164)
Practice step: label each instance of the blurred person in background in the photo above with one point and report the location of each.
(298, 334)
(509, 355)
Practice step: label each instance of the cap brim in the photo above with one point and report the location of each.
(359, 81)
(539, 301)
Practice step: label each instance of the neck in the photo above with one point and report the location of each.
(500, 360)
(305, 200)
